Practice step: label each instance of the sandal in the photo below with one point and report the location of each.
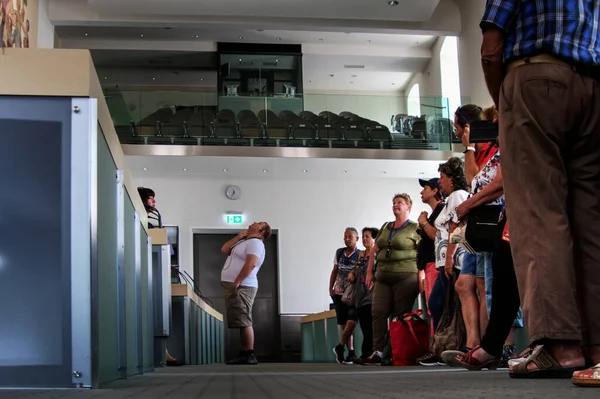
(547, 367)
(470, 363)
(587, 378)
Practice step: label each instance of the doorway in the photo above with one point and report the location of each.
(208, 262)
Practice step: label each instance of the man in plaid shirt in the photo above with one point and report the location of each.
(541, 61)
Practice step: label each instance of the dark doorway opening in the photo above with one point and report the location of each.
(208, 262)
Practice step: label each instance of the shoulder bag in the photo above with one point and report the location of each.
(482, 227)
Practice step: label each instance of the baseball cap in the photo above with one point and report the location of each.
(434, 183)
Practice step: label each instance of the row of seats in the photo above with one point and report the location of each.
(200, 125)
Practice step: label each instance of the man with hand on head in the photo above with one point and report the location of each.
(245, 255)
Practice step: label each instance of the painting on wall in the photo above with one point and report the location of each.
(14, 23)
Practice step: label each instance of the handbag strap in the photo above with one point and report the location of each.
(414, 335)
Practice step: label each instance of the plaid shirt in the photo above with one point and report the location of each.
(564, 28)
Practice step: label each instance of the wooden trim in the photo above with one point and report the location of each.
(318, 316)
(186, 291)
(65, 73)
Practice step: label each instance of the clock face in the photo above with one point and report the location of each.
(233, 193)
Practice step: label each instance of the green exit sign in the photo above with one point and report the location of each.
(234, 219)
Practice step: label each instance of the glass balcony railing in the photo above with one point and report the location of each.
(301, 120)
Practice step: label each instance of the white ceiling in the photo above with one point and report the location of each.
(279, 168)
(406, 10)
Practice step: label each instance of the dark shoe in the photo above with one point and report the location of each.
(429, 360)
(449, 357)
(251, 359)
(387, 362)
(338, 351)
(374, 359)
(350, 359)
(508, 352)
(242, 358)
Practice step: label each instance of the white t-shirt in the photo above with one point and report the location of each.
(442, 224)
(236, 260)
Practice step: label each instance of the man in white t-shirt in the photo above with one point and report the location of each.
(246, 254)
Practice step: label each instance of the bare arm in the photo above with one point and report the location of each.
(251, 262)
(450, 252)
(492, 51)
(471, 168)
(371, 255)
(332, 278)
(487, 194)
(226, 248)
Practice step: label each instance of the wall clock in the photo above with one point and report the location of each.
(234, 193)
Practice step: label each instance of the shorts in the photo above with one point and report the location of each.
(476, 264)
(238, 304)
(343, 312)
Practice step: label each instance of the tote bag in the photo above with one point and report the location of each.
(409, 338)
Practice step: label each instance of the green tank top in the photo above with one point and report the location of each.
(398, 248)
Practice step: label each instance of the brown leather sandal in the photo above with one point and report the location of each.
(587, 378)
(547, 367)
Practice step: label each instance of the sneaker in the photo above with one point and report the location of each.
(338, 351)
(251, 359)
(350, 359)
(508, 353)
(242, 358)
(429, 360)
(374, 359)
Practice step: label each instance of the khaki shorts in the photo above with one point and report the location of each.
(238, 304)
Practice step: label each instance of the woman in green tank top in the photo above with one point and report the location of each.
(395, 284)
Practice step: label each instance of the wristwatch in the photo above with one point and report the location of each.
(469, 148)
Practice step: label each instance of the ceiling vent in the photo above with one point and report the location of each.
(354, 66)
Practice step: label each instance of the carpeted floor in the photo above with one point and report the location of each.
(318, 381)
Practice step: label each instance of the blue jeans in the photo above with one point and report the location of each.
(486, 257)
(437, 298)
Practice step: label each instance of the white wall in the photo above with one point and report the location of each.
(310, 215)
(379, 108)
(430, 80)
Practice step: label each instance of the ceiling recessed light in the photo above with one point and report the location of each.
(421, 173)
(345, 171)
(384, 172)
(240, 60)
(278, 38)
(85, 34)
(320, 39)
(351, 82)
(393, 84)
(105, 78)
(310, 81)
(201, 79)
(241, 37)
(276, 60)
(145, 168)
(392, 3)
(305, 171)
(185, 169)
(369, 41)
(265, 171)
(153, 78)
(354, 76)
(224, 170)
(142, 35)
(197, 36)
(417, 43)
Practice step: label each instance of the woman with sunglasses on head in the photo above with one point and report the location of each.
(396, 282)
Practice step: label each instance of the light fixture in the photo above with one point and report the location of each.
(351, 82)
(345, 171)
(197, 36)
(224, 170)
(393, 84)
(369, 41)
(105, 78)
(265, 171)
(310, 81)
(153, 78)
(185, 169)
(305, 171)
(276, 60)
(142, 35)
(240, 60)
(85, 34)
(241, 37)
(320, 39)
(392, 3)
(383, 172)
(278, 38)
(201, 79)
(145, 168)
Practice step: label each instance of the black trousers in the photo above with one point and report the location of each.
(505, 297)
(365, 319)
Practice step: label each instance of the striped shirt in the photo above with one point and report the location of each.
(567, 29)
